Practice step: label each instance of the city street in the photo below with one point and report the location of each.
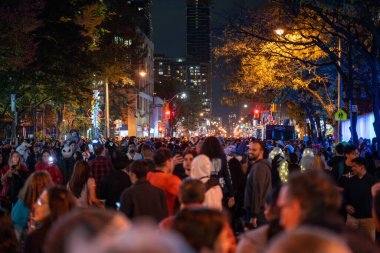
(189, 126)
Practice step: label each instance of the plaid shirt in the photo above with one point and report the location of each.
(99, 167)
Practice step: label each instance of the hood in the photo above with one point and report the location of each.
(200, 167)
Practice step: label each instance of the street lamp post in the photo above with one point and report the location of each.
(142, 86)
(107, 115)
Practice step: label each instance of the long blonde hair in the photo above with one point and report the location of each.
(10, 159)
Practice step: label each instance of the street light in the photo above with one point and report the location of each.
(245, 106)
(279, 31)
(142, 73)
(183, 95)
(201, 114)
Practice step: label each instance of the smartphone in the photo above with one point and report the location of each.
(91, 148)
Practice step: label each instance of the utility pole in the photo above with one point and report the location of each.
(107, 114)
(339, 124)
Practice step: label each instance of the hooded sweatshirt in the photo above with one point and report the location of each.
(201, 170)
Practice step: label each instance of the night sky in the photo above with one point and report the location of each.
(169, 33)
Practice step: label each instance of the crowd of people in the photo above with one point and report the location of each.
(189, 195)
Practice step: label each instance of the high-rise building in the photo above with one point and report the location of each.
(198, 30)
(188, 73)
(232, 123)
(198, 47)
(143, 13)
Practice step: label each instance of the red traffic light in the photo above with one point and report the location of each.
(256, 114)
(168, 114)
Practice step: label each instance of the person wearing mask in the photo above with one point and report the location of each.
(116, 182)
(143, 199)
(47, 164)
(53, 203)
(358, 198)
(13, 177)
(258, 184)
(163, 178)
(33, 187)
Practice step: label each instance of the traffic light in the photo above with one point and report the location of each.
(256, 114)
(167, 114)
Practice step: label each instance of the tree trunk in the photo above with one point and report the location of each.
(353, 124)
(8, 132)
(59, 122)
(34, 112)
(324, 128)
(353, 113)
(312, 124)
(319, 128)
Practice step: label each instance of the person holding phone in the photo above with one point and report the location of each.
(47, 163)
(13, 177)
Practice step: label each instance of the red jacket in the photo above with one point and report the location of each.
(168, 183)
(3, 170)
(53, 170)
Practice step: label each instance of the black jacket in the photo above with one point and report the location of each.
(258, 186)
(112, 186)
(220, 171)
(337, 167)
(144, 200)
(36, 240)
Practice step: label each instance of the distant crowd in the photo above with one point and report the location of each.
(202, 194)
